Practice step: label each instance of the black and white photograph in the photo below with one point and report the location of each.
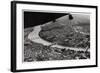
(56, 36)
(48, 36)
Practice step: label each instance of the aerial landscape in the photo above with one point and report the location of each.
(66, 37)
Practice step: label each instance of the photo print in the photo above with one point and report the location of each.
(56, 36)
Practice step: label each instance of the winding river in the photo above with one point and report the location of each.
(34, 36)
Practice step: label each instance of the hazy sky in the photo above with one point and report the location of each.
(77, 18)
